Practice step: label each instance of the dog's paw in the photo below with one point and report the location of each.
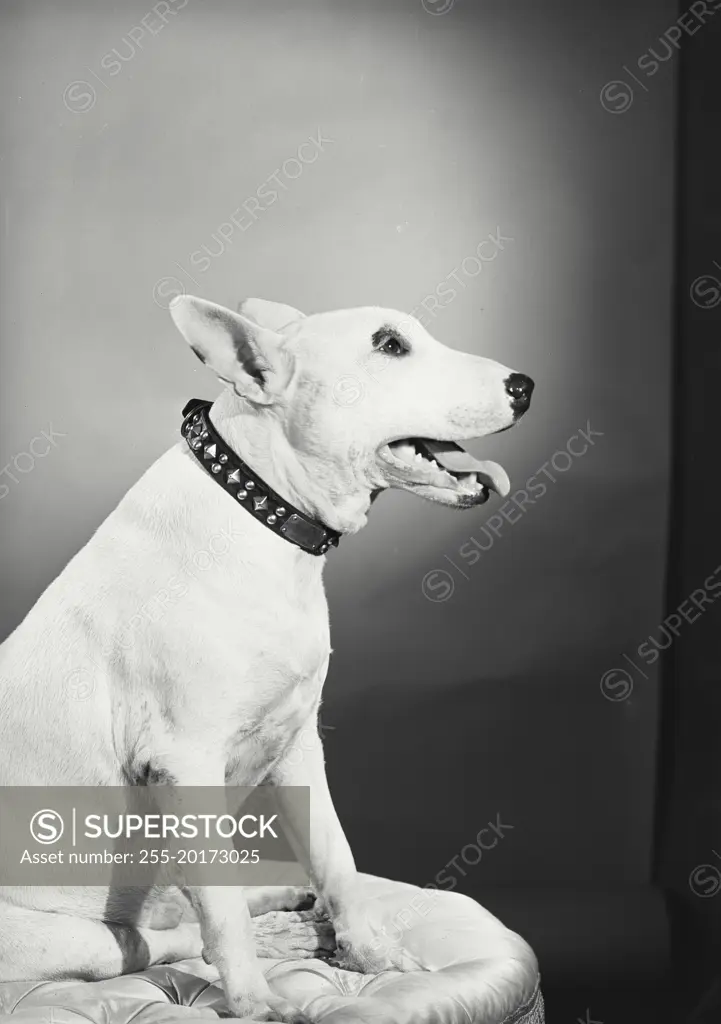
(372, 954)
(281, 935)
(363, 959)
(267, 1008)
(283, 897)
(294, 897)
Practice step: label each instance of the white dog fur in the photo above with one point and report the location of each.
(219, 689)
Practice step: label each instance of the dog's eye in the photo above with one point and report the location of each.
(393, 347)
(390, 344)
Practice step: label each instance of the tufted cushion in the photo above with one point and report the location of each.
(475, 971)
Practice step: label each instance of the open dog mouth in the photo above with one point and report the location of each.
(443, 471)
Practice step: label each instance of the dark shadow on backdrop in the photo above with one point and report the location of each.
(688, 849)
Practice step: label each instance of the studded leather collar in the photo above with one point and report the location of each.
(246, 487)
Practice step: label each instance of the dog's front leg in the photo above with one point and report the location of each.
(332, 867)
(225, 922)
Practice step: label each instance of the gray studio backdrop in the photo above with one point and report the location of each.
(142, 147)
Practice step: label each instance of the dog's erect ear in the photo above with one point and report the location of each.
(249, 357)
(273, 315)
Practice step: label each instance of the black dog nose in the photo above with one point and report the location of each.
(520, 388)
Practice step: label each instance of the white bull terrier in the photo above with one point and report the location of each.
(221, 686)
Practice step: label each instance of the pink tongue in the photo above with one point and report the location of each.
(451, 456)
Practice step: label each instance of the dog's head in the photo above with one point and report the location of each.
(360, 400)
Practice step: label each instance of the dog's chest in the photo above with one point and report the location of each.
(277, 658)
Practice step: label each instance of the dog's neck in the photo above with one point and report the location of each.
(328, 493)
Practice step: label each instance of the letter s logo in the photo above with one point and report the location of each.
(46, 826)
